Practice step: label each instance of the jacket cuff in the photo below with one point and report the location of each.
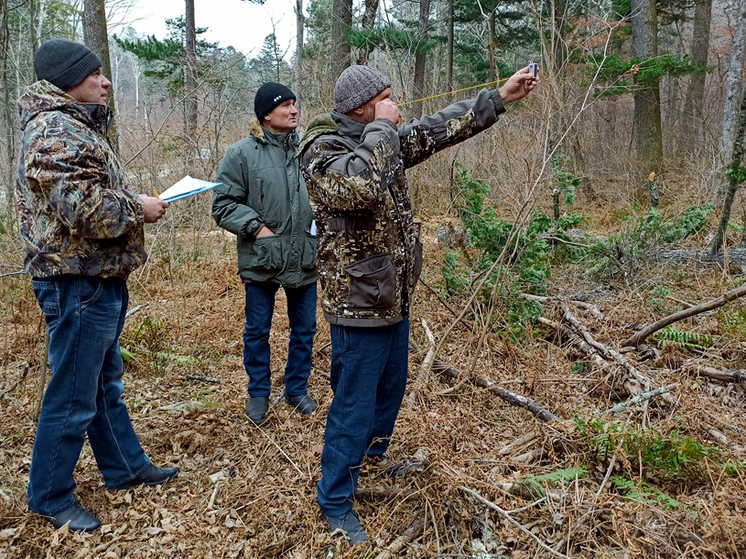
(251, 228)
(497, 100)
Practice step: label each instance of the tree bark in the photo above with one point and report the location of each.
(96, 37)
(420, 57)
(367, 23)
(190, 128)
(449, 47)
(647, 114)
(695, 94)
(732, 94)
(300, 21)
(733, 178)
(341, 23)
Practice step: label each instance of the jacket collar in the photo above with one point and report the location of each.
(265, 136)
(42, 96)
(349, 126)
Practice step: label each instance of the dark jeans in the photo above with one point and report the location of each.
(368, 378)
(260, 306)
(84, 317)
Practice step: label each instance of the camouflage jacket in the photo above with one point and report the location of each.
(262, 185)
(369, 254)
(76, 215)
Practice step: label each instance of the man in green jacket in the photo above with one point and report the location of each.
(263, 201)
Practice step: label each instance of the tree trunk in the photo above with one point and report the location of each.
(341, 23)
(695, 94)
(449, 47)
(732, 92)
(300, 21)
(492, 32)
(420, 57)
(368, 21)
(96, 38)
(647, 117)
(190, 128)
(733, 174)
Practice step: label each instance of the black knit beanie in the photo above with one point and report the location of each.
(268, 97)
(64, 63)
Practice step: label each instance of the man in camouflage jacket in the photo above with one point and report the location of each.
(82, 231)
(354, 161)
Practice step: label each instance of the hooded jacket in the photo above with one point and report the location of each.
(369, 254)
(76, 214)
(262, 185)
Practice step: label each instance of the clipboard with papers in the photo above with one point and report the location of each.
(186, 187)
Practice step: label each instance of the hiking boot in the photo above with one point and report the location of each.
(349, 525)
(303, 403)
(152, 476)
(256, 409)
(80, 519)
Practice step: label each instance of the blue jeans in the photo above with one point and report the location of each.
(84, 317)
(368, 378)
(260, 306)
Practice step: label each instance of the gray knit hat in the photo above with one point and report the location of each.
(64, 63)
(356, 85)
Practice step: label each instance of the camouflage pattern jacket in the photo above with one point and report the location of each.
(369, 253)
(262, 185)
(76, 216)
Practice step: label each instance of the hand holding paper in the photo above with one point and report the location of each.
(188, 186)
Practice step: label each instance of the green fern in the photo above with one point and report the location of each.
(670, 336)
(644, 493)
(557, 478)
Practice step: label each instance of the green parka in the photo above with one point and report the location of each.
(262, 185)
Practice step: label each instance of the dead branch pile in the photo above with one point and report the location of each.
(500, 461)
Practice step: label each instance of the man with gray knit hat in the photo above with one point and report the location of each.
(82, 231)
(370, 258)
(264, 202)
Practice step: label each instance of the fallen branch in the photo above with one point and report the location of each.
(510, 397)
(513, 521)
(723, 375)
(392, 550)
(516, 399)
(383, 493)
(20, 273)
(612, 354)
(201, 378)
(635, 340)
(639, 399)
(593, 309)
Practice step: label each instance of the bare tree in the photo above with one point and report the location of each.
(732, 92)
(647, 117)
(300, 21)
(367, 23)
(341, 23)
(190, 75)
(420, 57)
(449, 46)
(692, 113)
(96, 38)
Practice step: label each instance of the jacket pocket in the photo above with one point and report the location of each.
(310, 247)
(372, 283)
(267, 254)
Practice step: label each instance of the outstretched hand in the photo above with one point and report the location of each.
(518, 86)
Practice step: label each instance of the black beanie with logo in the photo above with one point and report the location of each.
(269, 96)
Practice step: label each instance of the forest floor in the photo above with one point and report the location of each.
(665, 479)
